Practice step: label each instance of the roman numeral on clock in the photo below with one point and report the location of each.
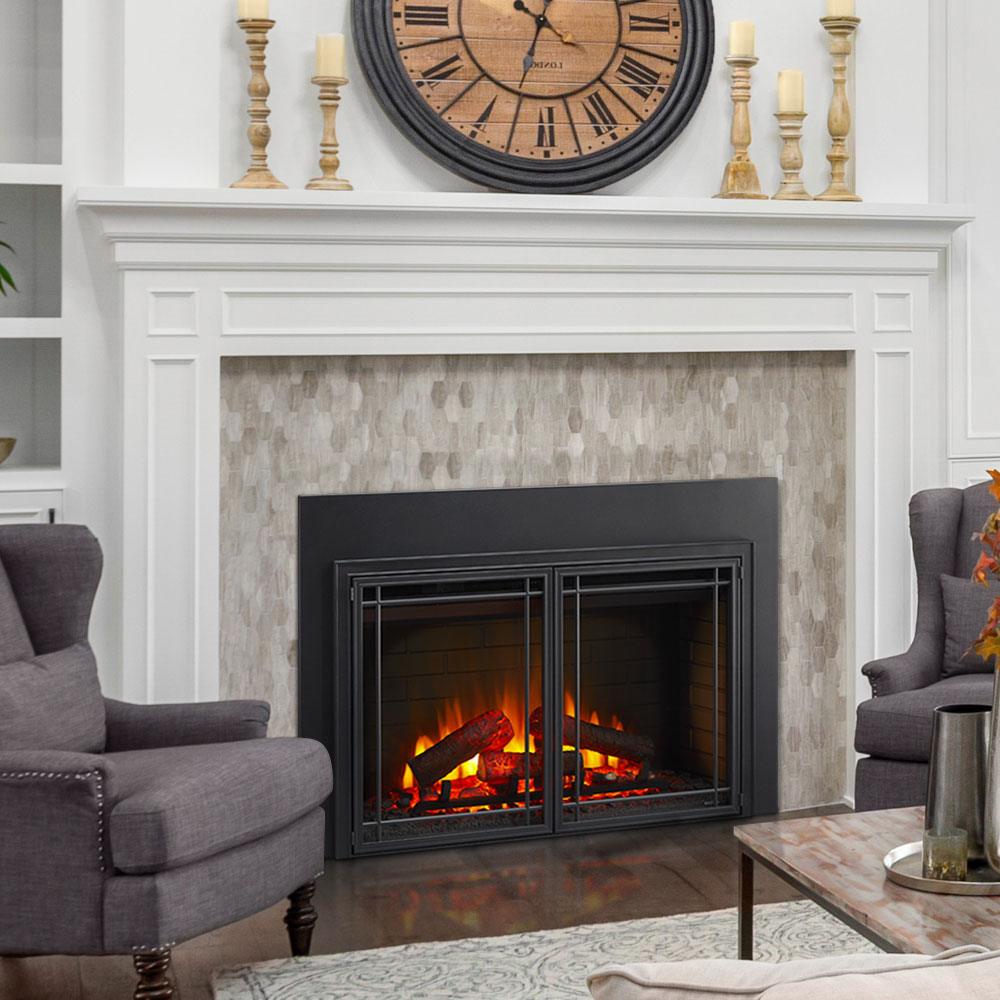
(546, 129)
(638, 23)
(480, 123)
(418, 14)
(599, 114)
(638, 77)
(442, 71)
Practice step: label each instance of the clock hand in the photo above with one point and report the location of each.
(529, 59)
(566, 37)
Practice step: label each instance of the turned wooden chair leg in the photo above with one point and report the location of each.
(152, 967)
(301, 918)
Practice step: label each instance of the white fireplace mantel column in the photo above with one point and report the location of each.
(211, 274)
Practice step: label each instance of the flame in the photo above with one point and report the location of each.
(453, 716)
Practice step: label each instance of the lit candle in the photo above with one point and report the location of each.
(791, 90)
(840, 8)
(741, 38)
(255, 9)
(330, 55)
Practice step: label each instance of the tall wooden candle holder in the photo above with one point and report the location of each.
(329, 162)
(259, 132)
(740, 179)
(840, 30)
(790, 130)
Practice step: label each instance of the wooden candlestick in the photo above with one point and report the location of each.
(790, 130)
(740, 179)
(839, 118)
(258, 176)
(329, 162)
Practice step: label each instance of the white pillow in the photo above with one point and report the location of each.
(974, 978)
(708, 979)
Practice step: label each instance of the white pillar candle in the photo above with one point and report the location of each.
(256, 9)
(791, 90)
(329, 55)
(741, 38)
(840, 8)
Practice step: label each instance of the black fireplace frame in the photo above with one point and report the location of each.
(341, 535)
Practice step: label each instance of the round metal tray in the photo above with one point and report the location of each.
(904, 864)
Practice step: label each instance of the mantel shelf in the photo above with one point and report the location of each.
(194, 229)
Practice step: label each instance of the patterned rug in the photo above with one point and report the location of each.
(542, 965)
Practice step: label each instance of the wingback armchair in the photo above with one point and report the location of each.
(894, 726)
(125, 829)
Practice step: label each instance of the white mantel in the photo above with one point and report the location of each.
(209, 274)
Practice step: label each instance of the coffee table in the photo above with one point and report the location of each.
(836, 861)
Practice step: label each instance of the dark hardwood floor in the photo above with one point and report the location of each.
(444, 895)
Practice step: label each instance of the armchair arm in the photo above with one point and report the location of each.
(919, 666)
(54, 859)
(145, 727)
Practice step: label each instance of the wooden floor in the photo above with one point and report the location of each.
(443, 895)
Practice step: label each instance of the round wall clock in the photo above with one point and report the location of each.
(537, 95)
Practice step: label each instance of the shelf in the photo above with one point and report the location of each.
(31, 82)
(32, 217)
(30, 403)
(30, 327)
(31, 173)
(37, 479)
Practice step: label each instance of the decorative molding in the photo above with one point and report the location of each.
(893, 312)
(173, 312)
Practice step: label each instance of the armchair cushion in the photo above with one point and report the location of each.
(52, 702)
(143, 727)
(178, 805)
(966, 605)
(898, 726)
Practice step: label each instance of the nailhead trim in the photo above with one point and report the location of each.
(152, 949)
(76, 776)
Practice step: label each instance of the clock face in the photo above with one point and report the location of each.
(535, 95)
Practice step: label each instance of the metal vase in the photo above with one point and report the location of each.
(957, 781)
(991, 818)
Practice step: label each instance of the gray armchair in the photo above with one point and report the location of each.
(894, 727)
(129, 828)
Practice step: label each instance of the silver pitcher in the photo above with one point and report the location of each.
(992, 805)
(956, 782)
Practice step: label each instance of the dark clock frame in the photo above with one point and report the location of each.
(375, 44)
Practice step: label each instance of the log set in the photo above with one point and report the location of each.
(490, 731)
(497, 767)
(602, 739)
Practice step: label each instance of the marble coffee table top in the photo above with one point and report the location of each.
(838, 859)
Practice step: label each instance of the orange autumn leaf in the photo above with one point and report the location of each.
(986, 564)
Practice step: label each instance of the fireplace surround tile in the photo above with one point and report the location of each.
(299, 425)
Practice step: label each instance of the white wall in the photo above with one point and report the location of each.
(193, 132)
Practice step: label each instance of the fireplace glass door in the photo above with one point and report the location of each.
(648, 701)
(449, 671)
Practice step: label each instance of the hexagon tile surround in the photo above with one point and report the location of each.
(354, 425)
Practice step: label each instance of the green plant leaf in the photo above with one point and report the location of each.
(5, 277)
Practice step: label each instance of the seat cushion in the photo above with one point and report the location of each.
(898, 726)
(177, 805)
(966, 606)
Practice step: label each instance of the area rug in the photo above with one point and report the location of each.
(541, 965)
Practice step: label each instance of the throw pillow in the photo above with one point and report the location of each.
(711, 979)
(15, 644)
(52, 702)
(966, 605)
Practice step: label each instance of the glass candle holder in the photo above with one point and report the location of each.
(946, 854)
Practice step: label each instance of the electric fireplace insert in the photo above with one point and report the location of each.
(500, 664)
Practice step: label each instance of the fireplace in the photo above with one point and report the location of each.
(514, 663)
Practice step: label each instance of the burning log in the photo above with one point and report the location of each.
(490, 731)
(497, 767)
(603, 739)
